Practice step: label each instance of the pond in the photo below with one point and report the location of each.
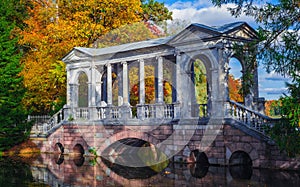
(61, 170)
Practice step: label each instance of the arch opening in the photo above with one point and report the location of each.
(240, 165)
(200, 168)
(240, 158)
(200, 91)
(59, 148)
(59, 159)
(134, 152)
(235, 80)
(78, 150)
(82, 90)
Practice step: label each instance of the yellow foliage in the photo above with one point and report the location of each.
(53, 30)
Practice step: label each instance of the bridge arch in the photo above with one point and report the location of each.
(78, 149)
(238, 147)
(59, 148)
(127, 134)
(78, 145)
(240, 158)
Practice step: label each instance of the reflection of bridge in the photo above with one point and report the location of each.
(68, 173)
(103, 84)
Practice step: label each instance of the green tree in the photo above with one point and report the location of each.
(155, 11)
(277, 49)
(13, 128)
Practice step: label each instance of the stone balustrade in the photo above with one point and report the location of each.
(251, 118)
(47, 125)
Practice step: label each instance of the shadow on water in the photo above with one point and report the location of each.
(14, 172)
(130, 172)
(241, 171)
(59, 159)
(198, 170)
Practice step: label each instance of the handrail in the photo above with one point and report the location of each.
(144, 111)
(250, 110)
(45, 127)
(251, 118)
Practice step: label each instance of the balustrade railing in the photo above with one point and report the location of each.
(112, 112)
(43, 127)
(82, 113)
(253, 119)
(146, 111)
(203, 110)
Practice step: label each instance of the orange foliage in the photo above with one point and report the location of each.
(234, 86)
(272, 108)
(53, 30)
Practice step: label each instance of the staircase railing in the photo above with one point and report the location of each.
(251, 118)
(45, 127)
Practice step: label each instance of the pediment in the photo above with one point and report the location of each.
(75, 55)
(192, 33)
(243, 32)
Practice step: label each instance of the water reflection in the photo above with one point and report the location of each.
(130, 172)
(62, 170)
(241, 171)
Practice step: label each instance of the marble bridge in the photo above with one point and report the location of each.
(108, 111)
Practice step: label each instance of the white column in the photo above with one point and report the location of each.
(92, 86)
(176, 92)
(159, 77)
(109, 85)
(141, 81)
(176, 79)
(120, 84)
(125, 83)
(69, 88)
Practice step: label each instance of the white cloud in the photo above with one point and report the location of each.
(210, 15)
(272, 76)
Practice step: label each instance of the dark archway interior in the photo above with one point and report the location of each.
(135, 152)
(126, 151)
(240, 158)
(123, 146)
(59, 148)
(201, 167)
(240, 165)
(78, 149)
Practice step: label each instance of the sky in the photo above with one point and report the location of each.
(272, 85)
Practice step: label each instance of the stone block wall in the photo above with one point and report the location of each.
(178, 140)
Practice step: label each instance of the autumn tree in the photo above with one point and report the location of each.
(13, 127)
(53, 30)
(272, 108)
(234, 86)
(55, 27)
(125, 34)
(149, 85)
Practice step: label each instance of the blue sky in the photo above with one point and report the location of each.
(271, 86)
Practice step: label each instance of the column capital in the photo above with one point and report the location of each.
(159, 57)
(108, 64)
(124, 62)
(177, 52)
(141, 60)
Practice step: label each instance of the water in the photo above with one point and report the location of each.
(58, 170)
